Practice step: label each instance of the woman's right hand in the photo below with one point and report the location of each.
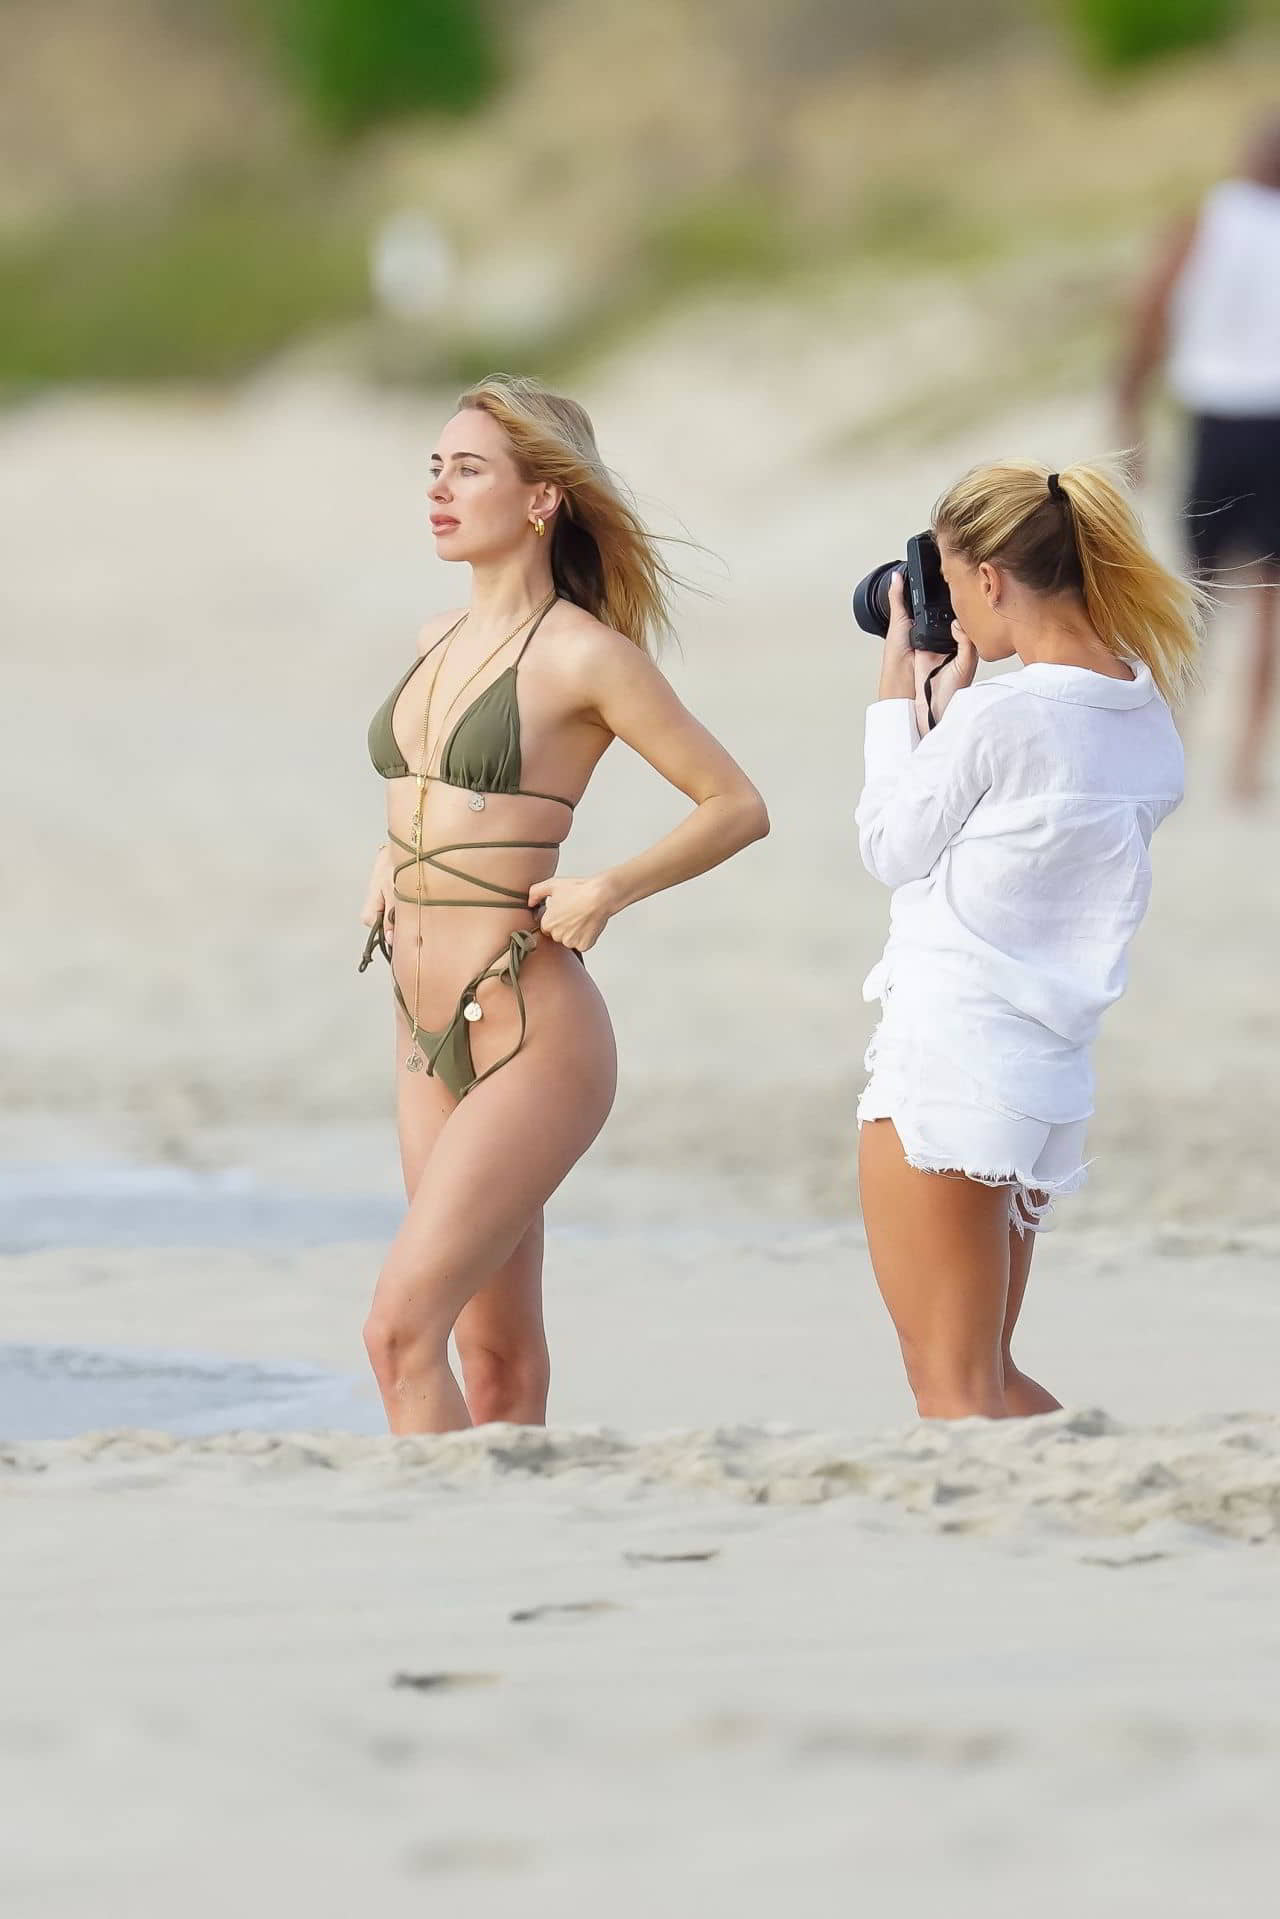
(380, 899)
(897, 666)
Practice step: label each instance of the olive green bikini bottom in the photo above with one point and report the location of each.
(448, 1054)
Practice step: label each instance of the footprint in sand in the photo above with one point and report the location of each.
(527, 1613)
(696, 1558)
(441, 1681)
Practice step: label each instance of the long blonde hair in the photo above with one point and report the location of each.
(602, 556)
(1083, 538)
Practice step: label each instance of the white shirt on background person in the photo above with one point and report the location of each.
(1224, 317)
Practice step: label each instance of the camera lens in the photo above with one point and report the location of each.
(871, 599)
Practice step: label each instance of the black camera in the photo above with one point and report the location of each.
(928, 598)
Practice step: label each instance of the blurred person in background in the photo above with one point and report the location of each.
(1015, 834)
(505, 1052)
(1210, 312)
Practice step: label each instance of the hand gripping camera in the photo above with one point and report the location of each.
(928, 600)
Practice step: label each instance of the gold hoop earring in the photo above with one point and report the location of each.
(539, 527)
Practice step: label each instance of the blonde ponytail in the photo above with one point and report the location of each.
(1082, 536)
(602, 556)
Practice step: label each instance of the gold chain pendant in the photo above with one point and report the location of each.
(415, 1062)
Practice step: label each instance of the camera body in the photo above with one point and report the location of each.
(928, 599)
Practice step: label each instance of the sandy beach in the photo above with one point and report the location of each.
(731, 1633)
(734, 1633)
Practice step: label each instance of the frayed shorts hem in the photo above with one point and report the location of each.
(1044, 1162)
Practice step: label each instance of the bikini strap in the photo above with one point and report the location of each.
(413, 666)
(528, 793)
(427, 651)
(518, 950)
(533, 629)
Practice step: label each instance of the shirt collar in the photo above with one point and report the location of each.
(1084, 688)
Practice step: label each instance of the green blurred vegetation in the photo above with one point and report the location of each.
(207, 284)
(721, 240)
(262, 239)
(730, 244)
(358, 62)
(1126, 33)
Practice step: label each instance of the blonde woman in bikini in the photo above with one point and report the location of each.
(505, 1062)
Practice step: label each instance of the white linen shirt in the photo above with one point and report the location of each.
(1015, 837)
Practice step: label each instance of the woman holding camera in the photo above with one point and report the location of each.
(1013, 821)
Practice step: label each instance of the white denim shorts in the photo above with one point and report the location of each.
(946, 1127)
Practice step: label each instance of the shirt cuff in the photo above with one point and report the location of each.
(892, 735)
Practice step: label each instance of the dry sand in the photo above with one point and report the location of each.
(975, 1671)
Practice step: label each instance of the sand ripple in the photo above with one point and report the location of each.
(1071, 1472)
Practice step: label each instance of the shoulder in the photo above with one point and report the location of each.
(983, 696)
(1225, 197)
(583, 648)
(437, 626)
(975, 708)
(1167, 743)
(975, 719)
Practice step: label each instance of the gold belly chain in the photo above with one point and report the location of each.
(414, 1062)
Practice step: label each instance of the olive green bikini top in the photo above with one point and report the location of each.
(482, 753)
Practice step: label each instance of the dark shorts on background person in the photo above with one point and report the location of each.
(1233, 496)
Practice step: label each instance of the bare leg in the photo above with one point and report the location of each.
(423, 1108)
(473, 1230)
(502, 1342)
(940, 1249)
(500, 1337)
(1246, 779)
(1023, 1395)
